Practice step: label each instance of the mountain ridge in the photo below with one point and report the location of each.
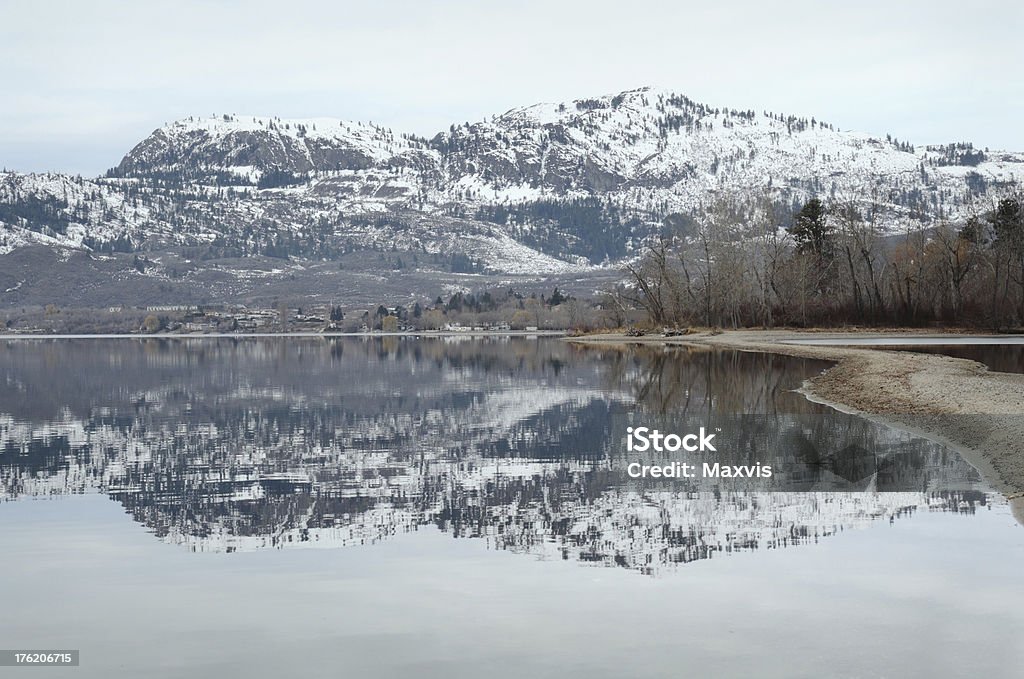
(544, 189)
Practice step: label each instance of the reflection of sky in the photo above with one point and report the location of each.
(932, 595)
(80, 573)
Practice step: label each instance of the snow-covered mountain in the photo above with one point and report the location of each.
(537, 191)
(252, 146)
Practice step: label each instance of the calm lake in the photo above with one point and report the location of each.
(1002, 353)
(451, 507)
(1004, 358)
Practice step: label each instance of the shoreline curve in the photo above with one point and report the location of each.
(953, 401)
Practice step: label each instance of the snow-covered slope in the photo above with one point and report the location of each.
(249, 146)
(659, 151)
(549, 188)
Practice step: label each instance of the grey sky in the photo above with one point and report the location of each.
(84, 81)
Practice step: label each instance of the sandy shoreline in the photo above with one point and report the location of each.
(957, 402)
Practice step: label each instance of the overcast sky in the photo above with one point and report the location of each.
(83, 81)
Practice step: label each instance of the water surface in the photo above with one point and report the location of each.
(446, 507)
(1004, 358)
(1001, 353)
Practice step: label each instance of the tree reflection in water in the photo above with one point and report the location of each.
(228, 444)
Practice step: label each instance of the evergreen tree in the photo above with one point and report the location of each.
(1008, 222)
(810, 229)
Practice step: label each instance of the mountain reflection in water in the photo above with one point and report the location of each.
(239, 444)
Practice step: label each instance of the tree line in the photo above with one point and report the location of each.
(832, 265)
